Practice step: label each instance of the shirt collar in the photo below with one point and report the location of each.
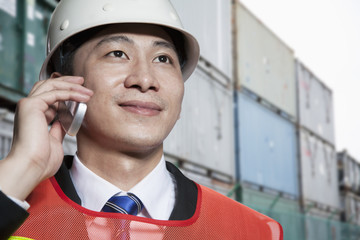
(157, 192)
(95, 191)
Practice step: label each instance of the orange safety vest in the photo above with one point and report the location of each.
(54, 216)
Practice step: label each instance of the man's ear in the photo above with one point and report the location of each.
(55, 75)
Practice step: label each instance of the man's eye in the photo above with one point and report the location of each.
(163, 59)
(117, 54)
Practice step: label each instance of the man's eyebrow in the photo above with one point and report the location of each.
(165, 44)
(110, 39)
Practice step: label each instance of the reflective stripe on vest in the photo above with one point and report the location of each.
(54, 216)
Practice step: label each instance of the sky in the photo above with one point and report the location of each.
(325, 36)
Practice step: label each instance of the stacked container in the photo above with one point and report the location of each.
(23, 26)
(210, 22)
(6, 131)
(6, 135)
(318, 165)
(349, 173)
(265, 98)
(203, 136)
(37, 17)
(265, 103)
(319, 172)
(351, 203)
(267, 147)
(349, 179)
(10, 41)
(264, 64)
(202, 141)
(274, 204)
(315, 105)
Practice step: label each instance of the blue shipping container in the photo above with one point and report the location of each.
(267, 148)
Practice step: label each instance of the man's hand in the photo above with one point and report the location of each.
(36, 152)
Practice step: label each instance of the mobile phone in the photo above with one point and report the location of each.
(71, 115)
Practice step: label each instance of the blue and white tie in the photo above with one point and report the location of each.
(128, 204)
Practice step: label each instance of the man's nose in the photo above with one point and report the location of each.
(142, 78)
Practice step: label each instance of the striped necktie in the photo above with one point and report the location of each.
(128, 204)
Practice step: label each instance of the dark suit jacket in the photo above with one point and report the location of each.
(12, 215)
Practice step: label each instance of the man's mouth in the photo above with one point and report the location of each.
(142, 108)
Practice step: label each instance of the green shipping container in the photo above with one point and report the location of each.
(323, 228)
(23, 27)
(297, 225)
(285, 211)
(36, 24)
(10, 41)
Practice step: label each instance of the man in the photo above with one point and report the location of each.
(127, 60)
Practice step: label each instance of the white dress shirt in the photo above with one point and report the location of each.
(156, 190)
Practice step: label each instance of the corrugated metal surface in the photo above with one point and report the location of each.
(6, 134)
(23, 26)
(6, 131)
(315, 104)
(203, 176)
(351, 205)
(323, 223)
(261, 200)
(283, 210)
(204, 133)
(267, 145)
(323, 227)
(218, 186)
(349, 172)
(210, 22)
(37, 17)
(265, 65)
(10, 40)
(319, 171)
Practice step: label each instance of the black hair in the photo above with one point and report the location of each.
(179, 42)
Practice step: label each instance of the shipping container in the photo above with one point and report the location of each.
(323, 227)
(351, 205)
(320, 224)
(210, 22)
(204, 133)
(37, 18)
(268, 200)
(266, 147)
(10, 42)
(23, 26)
(6, 131)
(319, 177)
(315, 104)
(349, 172)
(350, 231)
(284, 210)
(6, 135)
(264, 64)
(311, 223)
(219, 182)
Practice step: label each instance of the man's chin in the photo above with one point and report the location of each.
(143, 150)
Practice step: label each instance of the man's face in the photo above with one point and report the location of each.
(138, 88)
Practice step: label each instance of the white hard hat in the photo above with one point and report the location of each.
(74, 16)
